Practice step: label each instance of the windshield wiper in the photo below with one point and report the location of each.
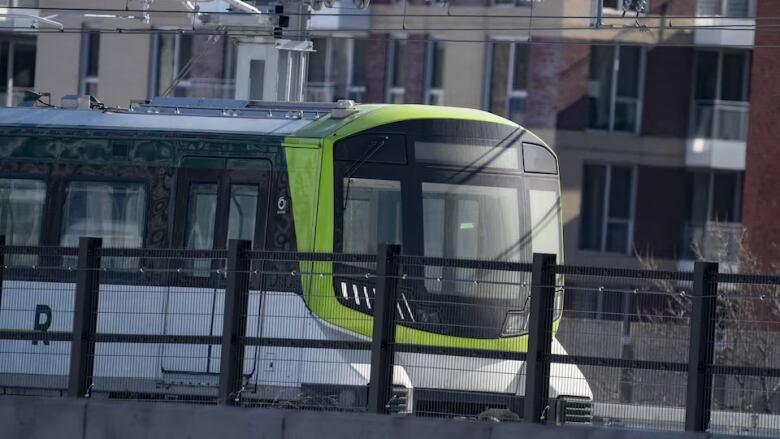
(377, 144)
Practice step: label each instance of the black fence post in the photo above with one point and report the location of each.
(82, 345)
(234, 322)
(380, 385)
(537, 378)
(700, 351)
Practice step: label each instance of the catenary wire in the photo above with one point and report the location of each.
(367, 37)
(441, 15)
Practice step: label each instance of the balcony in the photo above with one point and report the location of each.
(711, 241)
(716, 13)
(719, 135)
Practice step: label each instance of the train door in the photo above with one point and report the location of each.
(217, 200)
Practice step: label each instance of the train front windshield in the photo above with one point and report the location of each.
(455, 201)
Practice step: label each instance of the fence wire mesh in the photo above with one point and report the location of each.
(159, 320)
(627, 331)
(310, 331)
(36, 317)
(746, 356)
(300, 328)
(460, 337)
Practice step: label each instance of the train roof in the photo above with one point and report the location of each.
(233, 116)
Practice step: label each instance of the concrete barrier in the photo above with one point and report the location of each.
(57, 418)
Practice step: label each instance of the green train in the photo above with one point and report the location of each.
(334, 178)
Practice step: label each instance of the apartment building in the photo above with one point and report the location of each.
(651, 126)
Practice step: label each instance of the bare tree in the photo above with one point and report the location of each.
(747, 321)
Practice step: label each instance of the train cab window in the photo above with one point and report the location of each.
(21, 210)
(538, 159)
(473, 222)
(372, 214)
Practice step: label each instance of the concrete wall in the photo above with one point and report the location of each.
(34, 418)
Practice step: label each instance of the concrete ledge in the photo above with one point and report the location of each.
(61, 418)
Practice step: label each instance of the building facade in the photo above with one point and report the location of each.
(652, 125)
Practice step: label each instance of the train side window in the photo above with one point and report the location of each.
(201, 214)
(114, 211)
(21, 210)
(243, 212)
(372, 214)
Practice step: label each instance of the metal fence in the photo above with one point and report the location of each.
(457, 338)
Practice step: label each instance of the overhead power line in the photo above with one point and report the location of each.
(369, 37)
(443, 14)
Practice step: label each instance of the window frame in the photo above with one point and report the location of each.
(433, 93)
(353, 92)
(614, 98)
(718, 102)
(224, 179)
(511, 92)
(390, 64)
(605, 218)
(88, 50)
(606, 10)
(46, 199)
(228, 78)
(63, 197)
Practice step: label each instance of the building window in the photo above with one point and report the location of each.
(726, 8)
(336, 70)
(508, 79)
(90, 55)
(434, 72)
(721, 94)
(17, 68)
(607, 213)
(396, 71)
(619, 6)
(615, 88)
(194, 66)
(714, 201)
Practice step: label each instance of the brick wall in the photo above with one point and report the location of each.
(376, 60)
(572, 77)
(542, 86)
(761, 208)
(415, 69)
(667, 95)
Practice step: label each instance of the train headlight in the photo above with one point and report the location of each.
(515, 323)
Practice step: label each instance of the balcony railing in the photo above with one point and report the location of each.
(725, 120)
(712, 241)
(725, 8)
